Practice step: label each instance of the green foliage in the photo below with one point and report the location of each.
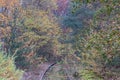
(99, 50)
(39, 37)
(89, 75)
(30, 30)
(39, 29)
(91, 30)
(41, 4)
(99, 45)
(8, 70)
(107, 6)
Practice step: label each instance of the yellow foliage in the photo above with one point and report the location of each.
(40, 29)
(7, 68)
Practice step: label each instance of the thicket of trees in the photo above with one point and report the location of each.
(40, 30)
(98, 43)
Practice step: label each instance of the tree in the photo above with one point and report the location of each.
(30, 31)
(8, 22)
(40, 35)
(97, 48)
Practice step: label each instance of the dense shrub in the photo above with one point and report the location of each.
(100, 51)
(8, 70)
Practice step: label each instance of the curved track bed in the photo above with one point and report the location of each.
(38, 73)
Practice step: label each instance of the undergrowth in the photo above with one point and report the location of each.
(8, 70)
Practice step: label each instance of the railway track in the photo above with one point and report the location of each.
(38, 73)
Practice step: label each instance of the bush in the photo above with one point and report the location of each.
(100, 52)
(7, 68)
(89, 75)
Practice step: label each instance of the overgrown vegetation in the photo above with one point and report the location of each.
(100, 52)
(84, 34)
(8, 70)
